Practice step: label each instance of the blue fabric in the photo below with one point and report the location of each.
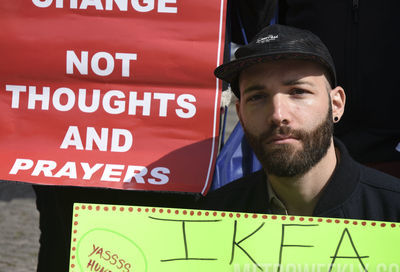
(235, 160)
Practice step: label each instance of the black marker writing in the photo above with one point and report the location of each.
(234, 243)
(286, 245)
(185, 242)
(346, 231)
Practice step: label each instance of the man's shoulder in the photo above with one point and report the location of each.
(246, 194)
(244, 183)
(354, 174)
(378, 180)
(377, 197)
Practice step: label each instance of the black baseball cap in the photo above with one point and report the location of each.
(276, 42)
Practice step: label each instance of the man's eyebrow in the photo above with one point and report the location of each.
(298, 82)
(253, 88)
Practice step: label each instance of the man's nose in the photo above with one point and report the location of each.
(279, 110)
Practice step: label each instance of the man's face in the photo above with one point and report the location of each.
(286, 114)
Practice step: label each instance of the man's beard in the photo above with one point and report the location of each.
(283, 160)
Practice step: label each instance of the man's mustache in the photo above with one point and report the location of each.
(281, 132)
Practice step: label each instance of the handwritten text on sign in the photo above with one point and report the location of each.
(110, 93)
(127, 238)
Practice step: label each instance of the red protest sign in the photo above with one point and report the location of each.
(110, 93)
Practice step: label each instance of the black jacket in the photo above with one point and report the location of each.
(354, 191)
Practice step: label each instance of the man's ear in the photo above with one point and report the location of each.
(338, 100)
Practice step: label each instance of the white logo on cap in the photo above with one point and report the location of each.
(267, 39)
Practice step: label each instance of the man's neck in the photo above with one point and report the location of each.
(300, 194)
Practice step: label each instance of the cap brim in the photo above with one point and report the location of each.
(231, 70)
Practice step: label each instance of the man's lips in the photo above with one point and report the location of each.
(280, 139)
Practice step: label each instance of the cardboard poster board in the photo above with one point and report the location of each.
(110, 93)
(130, 238)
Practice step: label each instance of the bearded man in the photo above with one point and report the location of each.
(288, 103)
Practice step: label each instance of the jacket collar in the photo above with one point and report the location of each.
(342, 183)
(339, 188)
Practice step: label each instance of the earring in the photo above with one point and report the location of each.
(336, 119)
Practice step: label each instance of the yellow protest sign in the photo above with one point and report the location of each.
(109, 238)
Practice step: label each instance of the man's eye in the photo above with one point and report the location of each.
(297, 92)
(255, 97)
